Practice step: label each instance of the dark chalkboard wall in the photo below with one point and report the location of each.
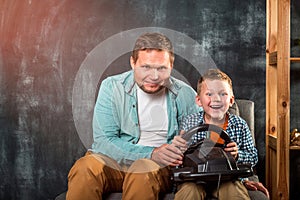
(44, 43)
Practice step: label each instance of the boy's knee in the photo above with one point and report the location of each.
(233, 190)
(190, 190)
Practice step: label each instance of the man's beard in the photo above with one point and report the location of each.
(161, 86)
(152, 92)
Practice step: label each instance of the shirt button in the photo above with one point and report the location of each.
(133, 142)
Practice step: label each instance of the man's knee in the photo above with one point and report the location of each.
(86, 165)
(143, 166)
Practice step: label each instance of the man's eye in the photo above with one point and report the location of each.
(162, 69)
(146, 67)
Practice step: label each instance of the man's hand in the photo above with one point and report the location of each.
(252, 185)
(232, 148)
(167, 154)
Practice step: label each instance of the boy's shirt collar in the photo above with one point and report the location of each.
(230, 123)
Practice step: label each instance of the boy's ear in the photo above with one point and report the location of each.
(231, 101)
(198, 101)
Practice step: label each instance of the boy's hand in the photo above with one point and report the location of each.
(232, 148)
(180, 143)
(251, 185)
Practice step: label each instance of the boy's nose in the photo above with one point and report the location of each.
(216, 97)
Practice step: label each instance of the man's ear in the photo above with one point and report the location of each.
(132, 63)
(198, 101)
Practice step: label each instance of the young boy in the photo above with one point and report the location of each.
(215, 96)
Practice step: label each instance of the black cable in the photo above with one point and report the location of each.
(218, 187)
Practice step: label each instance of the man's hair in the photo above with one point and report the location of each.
(152, 41)
(213, 74)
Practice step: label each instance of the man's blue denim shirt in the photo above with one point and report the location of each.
(115, 121)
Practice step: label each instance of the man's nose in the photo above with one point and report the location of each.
(154, 73)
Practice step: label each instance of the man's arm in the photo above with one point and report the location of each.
(167, 155)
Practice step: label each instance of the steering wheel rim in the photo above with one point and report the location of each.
(206, 127)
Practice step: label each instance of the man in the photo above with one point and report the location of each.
(136, 116)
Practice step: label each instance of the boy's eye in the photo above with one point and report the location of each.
(209, 94)
(223, 94)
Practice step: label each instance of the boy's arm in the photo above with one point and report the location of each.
(247, 153)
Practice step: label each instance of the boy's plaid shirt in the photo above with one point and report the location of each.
(237, 130)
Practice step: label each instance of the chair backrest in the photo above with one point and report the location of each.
(245, 109)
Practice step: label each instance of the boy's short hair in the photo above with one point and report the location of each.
(153, 41)
(213, 74)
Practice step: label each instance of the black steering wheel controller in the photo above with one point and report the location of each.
(207, 161)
